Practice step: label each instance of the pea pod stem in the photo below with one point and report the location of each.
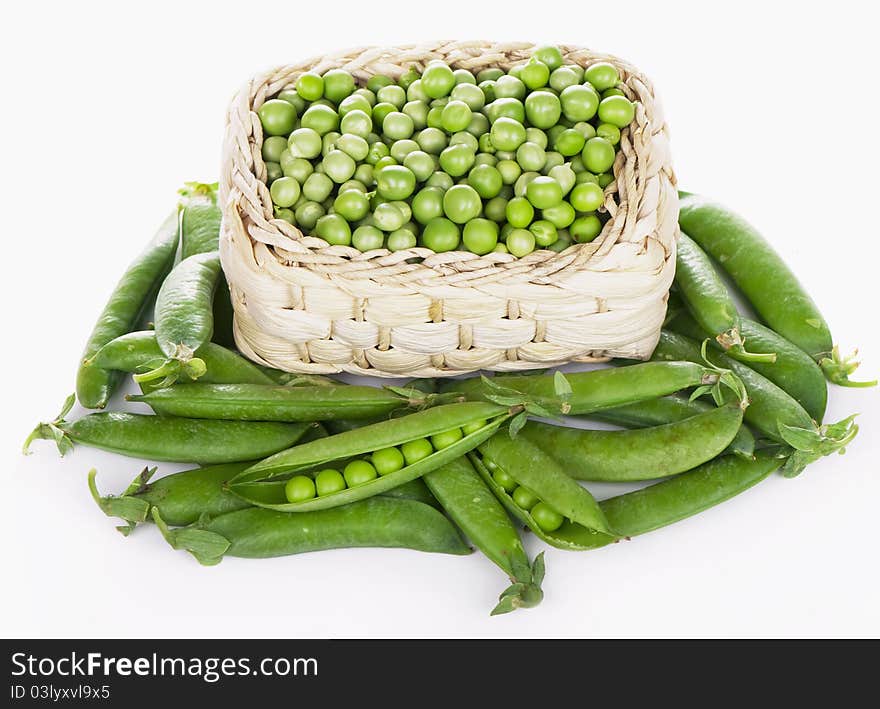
(837, 369)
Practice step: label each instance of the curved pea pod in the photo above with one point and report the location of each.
(766, 281)
(263, 483)
(199, 219)
(639, 454)
(585, 526)
(139, 352)
(184, 316)
(709, 302)
(256, 533)
(671, 409)
(688, 494)
(133, 295)
(596, 389)
(794, 371)
(771, 411)
(170, 438)
(261, 402)
(472, 506)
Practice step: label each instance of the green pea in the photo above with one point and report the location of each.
(338, 166)
(374, 83)
(273, 146)
(352, 184)
(441, 235)
(619, 111)
(463, 77)
(466, 139)
(297, 168)
(446, 439)
(438, 80)
(585, 129)
(414, 451)
(486, 180)
(435, 117)
(367, 95)
(531, 156)
(544, 192)
(427, 204)
(420, 164)
(357, 123)
(598, 155)
(377, 152)
(320, 118)
(507, 134)
(293, 98)
(329, 481)
(395, 95)
(605, 179)
(277, 117)
(587, 197)
(485, 159)
(334, 230)
(509, 86)
(543, 109)
(299, 489)
(546, 517)
(608, 132)
(602, 76)
(535, 74)
(496, 209)
(364, 175)
(569, 142)
(359, 472)
(509, 171)
(328, 142)
(367, 238)
(473, 427)
(338, 84)
(585, 175)
(520, 212)
(401, 148)
(388, 217)
(506, 108)
(456, 116)
(380, 113)
(273, 172)
(401, 240)
(525, 498)
(579, 103)
(285, 191)
(562, 243)
(432, 140)
(395, 182)
(308, 214)
(544, 232)
(479, 126)
(416, 92)
(500, 249)
(502, 478)
(398, 126)
(564, 176)
(489, 74)
(456, 160)
(388, 460)
(549, 55)
(480, 236)
(409, 77)
(586, 228)
(304, 143)
(488, 89)
(382, 163)
(351, 205)
(418, 111)
(470, 95)
(520, 242)
(562, 78)
(560, 215)
(461, 203)
(354, 146)
(354, 102)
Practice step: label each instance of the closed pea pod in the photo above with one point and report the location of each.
(580, 524)
(133, 294)
(640, 454)
(170, 438)
(256, 533)
(472, 506)
(263, 483)
(771, 411)
(708, 300)
(794, 371)
(670, 409)
(766, 281)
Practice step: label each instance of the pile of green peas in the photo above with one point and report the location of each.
(505, 162)
(381, 462)
(544, 515)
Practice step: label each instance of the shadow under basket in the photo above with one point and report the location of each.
(302, 305)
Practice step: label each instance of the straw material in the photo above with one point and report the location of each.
(302, 305)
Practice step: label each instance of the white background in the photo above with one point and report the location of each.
(108, 109)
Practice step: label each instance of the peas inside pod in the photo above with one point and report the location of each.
(515, 162)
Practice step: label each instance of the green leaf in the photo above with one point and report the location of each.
(538, 570)
(517, 423)
(561, 386)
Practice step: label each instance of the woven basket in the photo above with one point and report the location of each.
(302, 305)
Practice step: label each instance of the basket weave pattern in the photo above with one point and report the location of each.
(303, 305)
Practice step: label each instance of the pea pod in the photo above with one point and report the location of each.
(709, 302)
(585, 526)
(680, 497)
(640, 454)
(255, 533)
(794, 371)
(473, 507)
(199, 219)
(139, 352)
(599, 388)
(670, 409)
(184, 318)
(134, 294)
(260, 484)
(261, 402)
(771, 411)
(169, 438)
(766, 281)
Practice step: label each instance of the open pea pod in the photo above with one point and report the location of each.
(584, 526)
(263, 484)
